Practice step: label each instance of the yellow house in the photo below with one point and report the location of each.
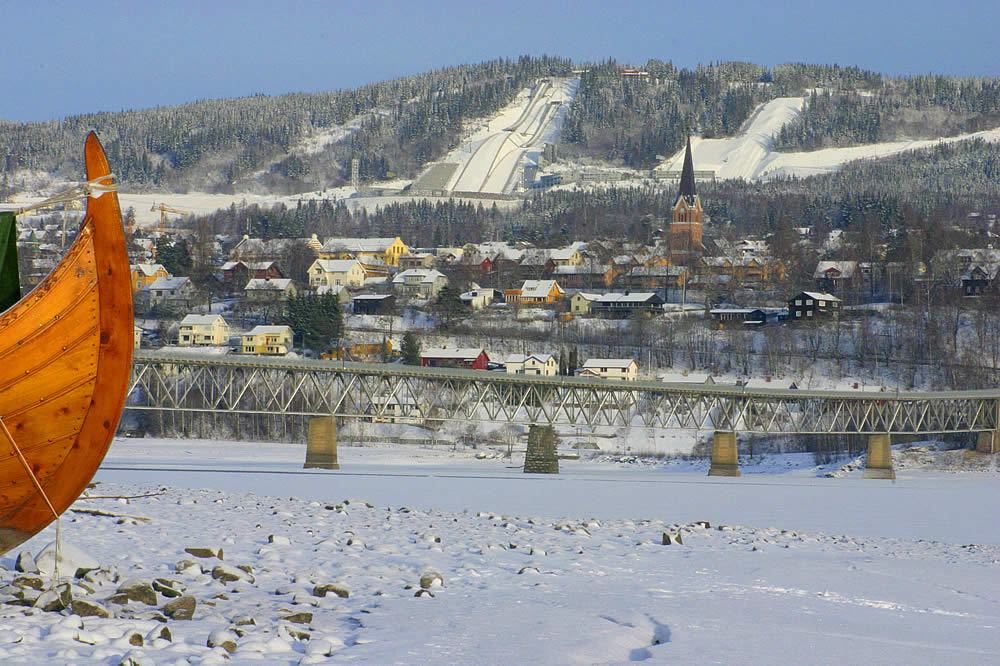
(198, 330)
(532, 364)
(387, 249)
(268, 340)
(336, 273)
(146, 274)
(535, 292)
(568, 256)
(579, 303)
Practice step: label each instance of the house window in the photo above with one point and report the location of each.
(809, 314)
(798, 301)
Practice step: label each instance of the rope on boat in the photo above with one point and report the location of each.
(41, 491)
(92, 188)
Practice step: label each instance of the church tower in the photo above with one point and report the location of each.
(685, 217)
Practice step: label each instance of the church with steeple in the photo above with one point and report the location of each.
(686, 217)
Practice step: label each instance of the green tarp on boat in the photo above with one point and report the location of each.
(10, 281)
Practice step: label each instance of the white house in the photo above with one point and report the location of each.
(477, 298)
(265, 290)
(423, 283)
(624, 369)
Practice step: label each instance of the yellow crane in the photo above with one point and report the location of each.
(164, 209)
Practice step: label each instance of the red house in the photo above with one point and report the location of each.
(473, 359)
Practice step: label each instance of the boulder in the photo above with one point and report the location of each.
(205, 552)
(71, 560)
(299, 618)
(431, 579)
(160, 633)
(181, 608)
(34, 582)
(327, 588)
(671, 538)
(224, 639)
(168, 588)
(85, 608)
(58, 598)
(25, 562)
(227, 574)
(138, 590)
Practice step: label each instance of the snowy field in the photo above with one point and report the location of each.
(788, 566)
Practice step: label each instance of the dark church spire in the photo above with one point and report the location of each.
(687, 176)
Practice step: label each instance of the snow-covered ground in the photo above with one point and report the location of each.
(789, 567)
(748, 155)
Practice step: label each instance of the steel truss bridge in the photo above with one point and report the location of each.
(279, 388)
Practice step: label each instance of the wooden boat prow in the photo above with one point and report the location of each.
(65, 361)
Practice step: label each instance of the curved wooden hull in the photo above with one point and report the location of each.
(65, 360)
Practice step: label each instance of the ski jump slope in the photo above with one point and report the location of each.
(518, 133)
(749, 156)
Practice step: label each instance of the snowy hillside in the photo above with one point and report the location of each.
(748, 155)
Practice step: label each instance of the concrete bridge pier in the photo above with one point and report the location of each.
(724, 455)
(988, 442)
(541, 457)
(321, 446)
(878, 462)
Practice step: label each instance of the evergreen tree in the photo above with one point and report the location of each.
(410, 349)
(175, 257)
(317, 320)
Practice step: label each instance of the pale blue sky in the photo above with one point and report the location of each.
(65, 58)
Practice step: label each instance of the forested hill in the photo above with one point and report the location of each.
(395, 127)
(215, 144)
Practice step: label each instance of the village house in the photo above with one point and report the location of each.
(387, 249)
(580, 302)
(419, 283)
(587, 275)
(477, 298)
(373, 304)
(260, 249)
(979, 278)
(178, 292)
(199, 330)
(532, 364)
(442, 357)
(535, 292)
(416, 260)
(623, 369)
(270, 291)
(812, 304)
(620, 306)
(267, 340)
(745, 316)
(336, 273)
(146, 274)
(837, 275)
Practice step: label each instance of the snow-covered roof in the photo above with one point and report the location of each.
(631, 297)
(264, 284)
(523, 358)
(845, 268)
(357, 244)
(821, 296)
(419, 274)
(608, 363)
(201, 319)
(453, 353)
(336, 265)
(166, 283)
(149, 270)
(269, 330)
(537, 288)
